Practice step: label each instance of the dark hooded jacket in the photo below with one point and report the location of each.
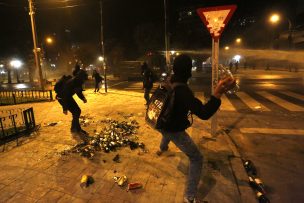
(186, 102)
(73, 86)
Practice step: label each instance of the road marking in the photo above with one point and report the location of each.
(117, 83)
(281, 102)
(226, 104)
(249, 101)
(292, 94)
(272, 131)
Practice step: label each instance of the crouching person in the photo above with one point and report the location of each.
(65, 98)
(174, 130)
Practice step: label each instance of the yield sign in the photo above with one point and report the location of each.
(216, 18)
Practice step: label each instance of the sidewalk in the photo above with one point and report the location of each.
(36, 172)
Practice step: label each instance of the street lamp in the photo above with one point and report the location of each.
(16, 64)
(275, 18)
(238, 40)
(227, 48)
(49, 40)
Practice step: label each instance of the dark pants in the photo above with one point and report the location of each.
(97, 86)
(147, 94)
(75, 111)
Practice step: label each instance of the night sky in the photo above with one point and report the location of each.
(78, 21)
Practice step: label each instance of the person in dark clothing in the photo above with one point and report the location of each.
(73, 86)
(184, 102)
(76, 69)
(148, 79)
(98, 80)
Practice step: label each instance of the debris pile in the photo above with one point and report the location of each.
(116, 134)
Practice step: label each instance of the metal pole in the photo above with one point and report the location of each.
(102, 48)
(166, 37)
(37, 59)
(215, 60)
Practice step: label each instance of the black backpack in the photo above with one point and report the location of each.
(160, 106)
(59, 86)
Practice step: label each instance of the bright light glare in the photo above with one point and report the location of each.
(172, 52)
(49, 40)
(1, 65)
(21, 86)
(238, 40)
(274, 18)
(227, 48)
(16, 63)
(100, 58)
(237, 58)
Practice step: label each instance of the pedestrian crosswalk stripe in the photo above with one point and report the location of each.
(226, 104)
(281, 102)
(249, 101)
(292, 94)
(272, 131)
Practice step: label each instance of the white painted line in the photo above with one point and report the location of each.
(249, 101)
(281, 102)
(226, 104)
(292, 94)
(117, 84)
(273, 131)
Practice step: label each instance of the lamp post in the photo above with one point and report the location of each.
(102, 58)
(167, 54)
(35, 50)
(275, 19)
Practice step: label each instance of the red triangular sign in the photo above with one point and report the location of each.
(216, 18)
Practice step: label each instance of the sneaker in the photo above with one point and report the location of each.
(160, 152)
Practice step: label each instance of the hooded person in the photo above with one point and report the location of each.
(74, 86)
(175, 130)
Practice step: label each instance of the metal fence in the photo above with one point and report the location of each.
(24, 96)
(13, 123)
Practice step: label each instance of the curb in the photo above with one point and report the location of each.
(239, 173)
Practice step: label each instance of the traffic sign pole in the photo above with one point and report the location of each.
(215, 19)
(215, 60)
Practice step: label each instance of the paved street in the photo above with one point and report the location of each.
(262, 124)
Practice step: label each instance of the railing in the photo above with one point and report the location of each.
(14, 123)
(24, 96)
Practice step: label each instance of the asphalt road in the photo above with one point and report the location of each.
(265, 119)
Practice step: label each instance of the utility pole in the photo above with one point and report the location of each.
(102, 48)
(166, 37)
(36, 50)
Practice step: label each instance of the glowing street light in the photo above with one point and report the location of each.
(16, 63)
(100, 58)
(49, 40)
(274, 18)
(172, 52)
(227, 48)
(238, 40)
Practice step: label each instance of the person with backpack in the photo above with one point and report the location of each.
(98, 80)
(174, 129)
(148, 80)
(65, 92)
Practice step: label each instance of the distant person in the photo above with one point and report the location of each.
(148, 79)
(76, 69)
(230, 65)
(236, 65)
(175, 129)
(65, 98)
(98, 80)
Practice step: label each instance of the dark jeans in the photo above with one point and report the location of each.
(76, 111)
(147, 94)
(97, 86)
(184, 142)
